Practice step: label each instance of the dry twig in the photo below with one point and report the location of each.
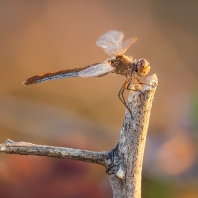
(123, 163)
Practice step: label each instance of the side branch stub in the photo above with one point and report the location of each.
(26, 148)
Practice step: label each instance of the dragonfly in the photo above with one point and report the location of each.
(112, 43)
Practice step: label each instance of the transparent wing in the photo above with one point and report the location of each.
(119, 49)
(96, 70)
(112, 50)
(125, 45)
(112, 44)
(112, 37)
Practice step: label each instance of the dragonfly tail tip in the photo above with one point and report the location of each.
(24, 83)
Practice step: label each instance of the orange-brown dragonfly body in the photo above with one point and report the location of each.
(118, 63)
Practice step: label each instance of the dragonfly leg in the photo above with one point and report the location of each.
(121, 93)
(137, 81)
(131, 89)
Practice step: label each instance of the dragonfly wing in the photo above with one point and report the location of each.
(112, 50)
(109, 40)
(121, 48)
(125, 45)
(96, 70)
(112, 44)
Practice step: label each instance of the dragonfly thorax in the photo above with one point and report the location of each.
(123, 65)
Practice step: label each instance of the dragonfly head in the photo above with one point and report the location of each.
(142, 67)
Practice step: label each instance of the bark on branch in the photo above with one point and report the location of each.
(26, 148)
(125, 169)
(123, 163)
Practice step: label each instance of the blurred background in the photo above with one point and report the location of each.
(47, 35)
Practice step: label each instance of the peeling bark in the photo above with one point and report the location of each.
(123, 163)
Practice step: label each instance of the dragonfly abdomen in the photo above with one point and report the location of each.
(51, 76)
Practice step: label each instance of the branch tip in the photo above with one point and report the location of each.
(3, 148)
(9, 141)
(153, 81)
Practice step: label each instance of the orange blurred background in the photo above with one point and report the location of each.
(43, 36)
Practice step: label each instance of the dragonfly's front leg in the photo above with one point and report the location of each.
(137, 81)
(125, 85)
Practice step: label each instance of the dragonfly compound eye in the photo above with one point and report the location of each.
(143, 67)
